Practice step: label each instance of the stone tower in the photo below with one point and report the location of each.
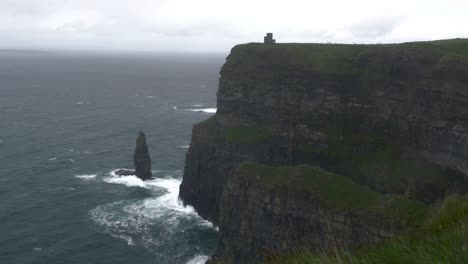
(268, 39)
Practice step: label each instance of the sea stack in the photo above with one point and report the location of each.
(141, 158)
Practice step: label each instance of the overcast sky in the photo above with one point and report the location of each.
(217, 25)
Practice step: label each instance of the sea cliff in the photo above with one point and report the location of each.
(313, 144)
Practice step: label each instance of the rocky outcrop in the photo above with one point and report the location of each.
(390, 117)
(141, 158)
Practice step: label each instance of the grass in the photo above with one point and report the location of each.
(336, 192)
(267, 62)
(386, 162)
(443, 238)
(246, 135)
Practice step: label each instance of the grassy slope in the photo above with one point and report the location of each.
(442, 239)
(329, 189)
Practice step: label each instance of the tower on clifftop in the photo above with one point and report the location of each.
(268, 39)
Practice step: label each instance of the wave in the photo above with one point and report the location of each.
(204, 110)
(197, 105)
(130, 181)
(184, 147)
(200, 259)
(158, 223)
(86, 177)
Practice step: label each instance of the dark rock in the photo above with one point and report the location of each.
(124, 172)
(141, 158)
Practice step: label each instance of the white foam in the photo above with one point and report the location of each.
(86, 176)
(204, 110)
(130, 181)
(199, 259)
(197, 105)
(134, 220)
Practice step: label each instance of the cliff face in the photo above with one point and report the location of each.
(268, 210)
(390, 117)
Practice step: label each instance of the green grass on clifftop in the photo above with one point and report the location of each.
(260, 61)
(442, 239)
(337, 192)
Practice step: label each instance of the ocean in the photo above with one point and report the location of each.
(67, 120)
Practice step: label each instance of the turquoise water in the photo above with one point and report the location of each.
(66, 122)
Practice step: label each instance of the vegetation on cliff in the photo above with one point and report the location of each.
(246, 134)
(264, 61)
(442, 239)
(336, 192)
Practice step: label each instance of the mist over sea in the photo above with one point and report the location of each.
(66, 122)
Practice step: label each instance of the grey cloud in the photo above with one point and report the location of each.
(375, 28)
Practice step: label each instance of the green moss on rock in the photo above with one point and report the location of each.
(246, 134)
(386, 161)
(335, 192)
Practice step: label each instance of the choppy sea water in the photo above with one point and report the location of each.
(66, 122)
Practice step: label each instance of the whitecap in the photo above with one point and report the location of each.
(149, 96)
(184, 147)
(203, 86)
(80, 103)
(136, 220)
(51, 159)
(86, 176)
(71, 150)
(130, 181)
(37, 249)
(197, 105)
(71, 160)
(71, 189)
(174, 107)
(199, 259)
(204, 110)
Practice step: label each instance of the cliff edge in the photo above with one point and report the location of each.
(388, 119)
